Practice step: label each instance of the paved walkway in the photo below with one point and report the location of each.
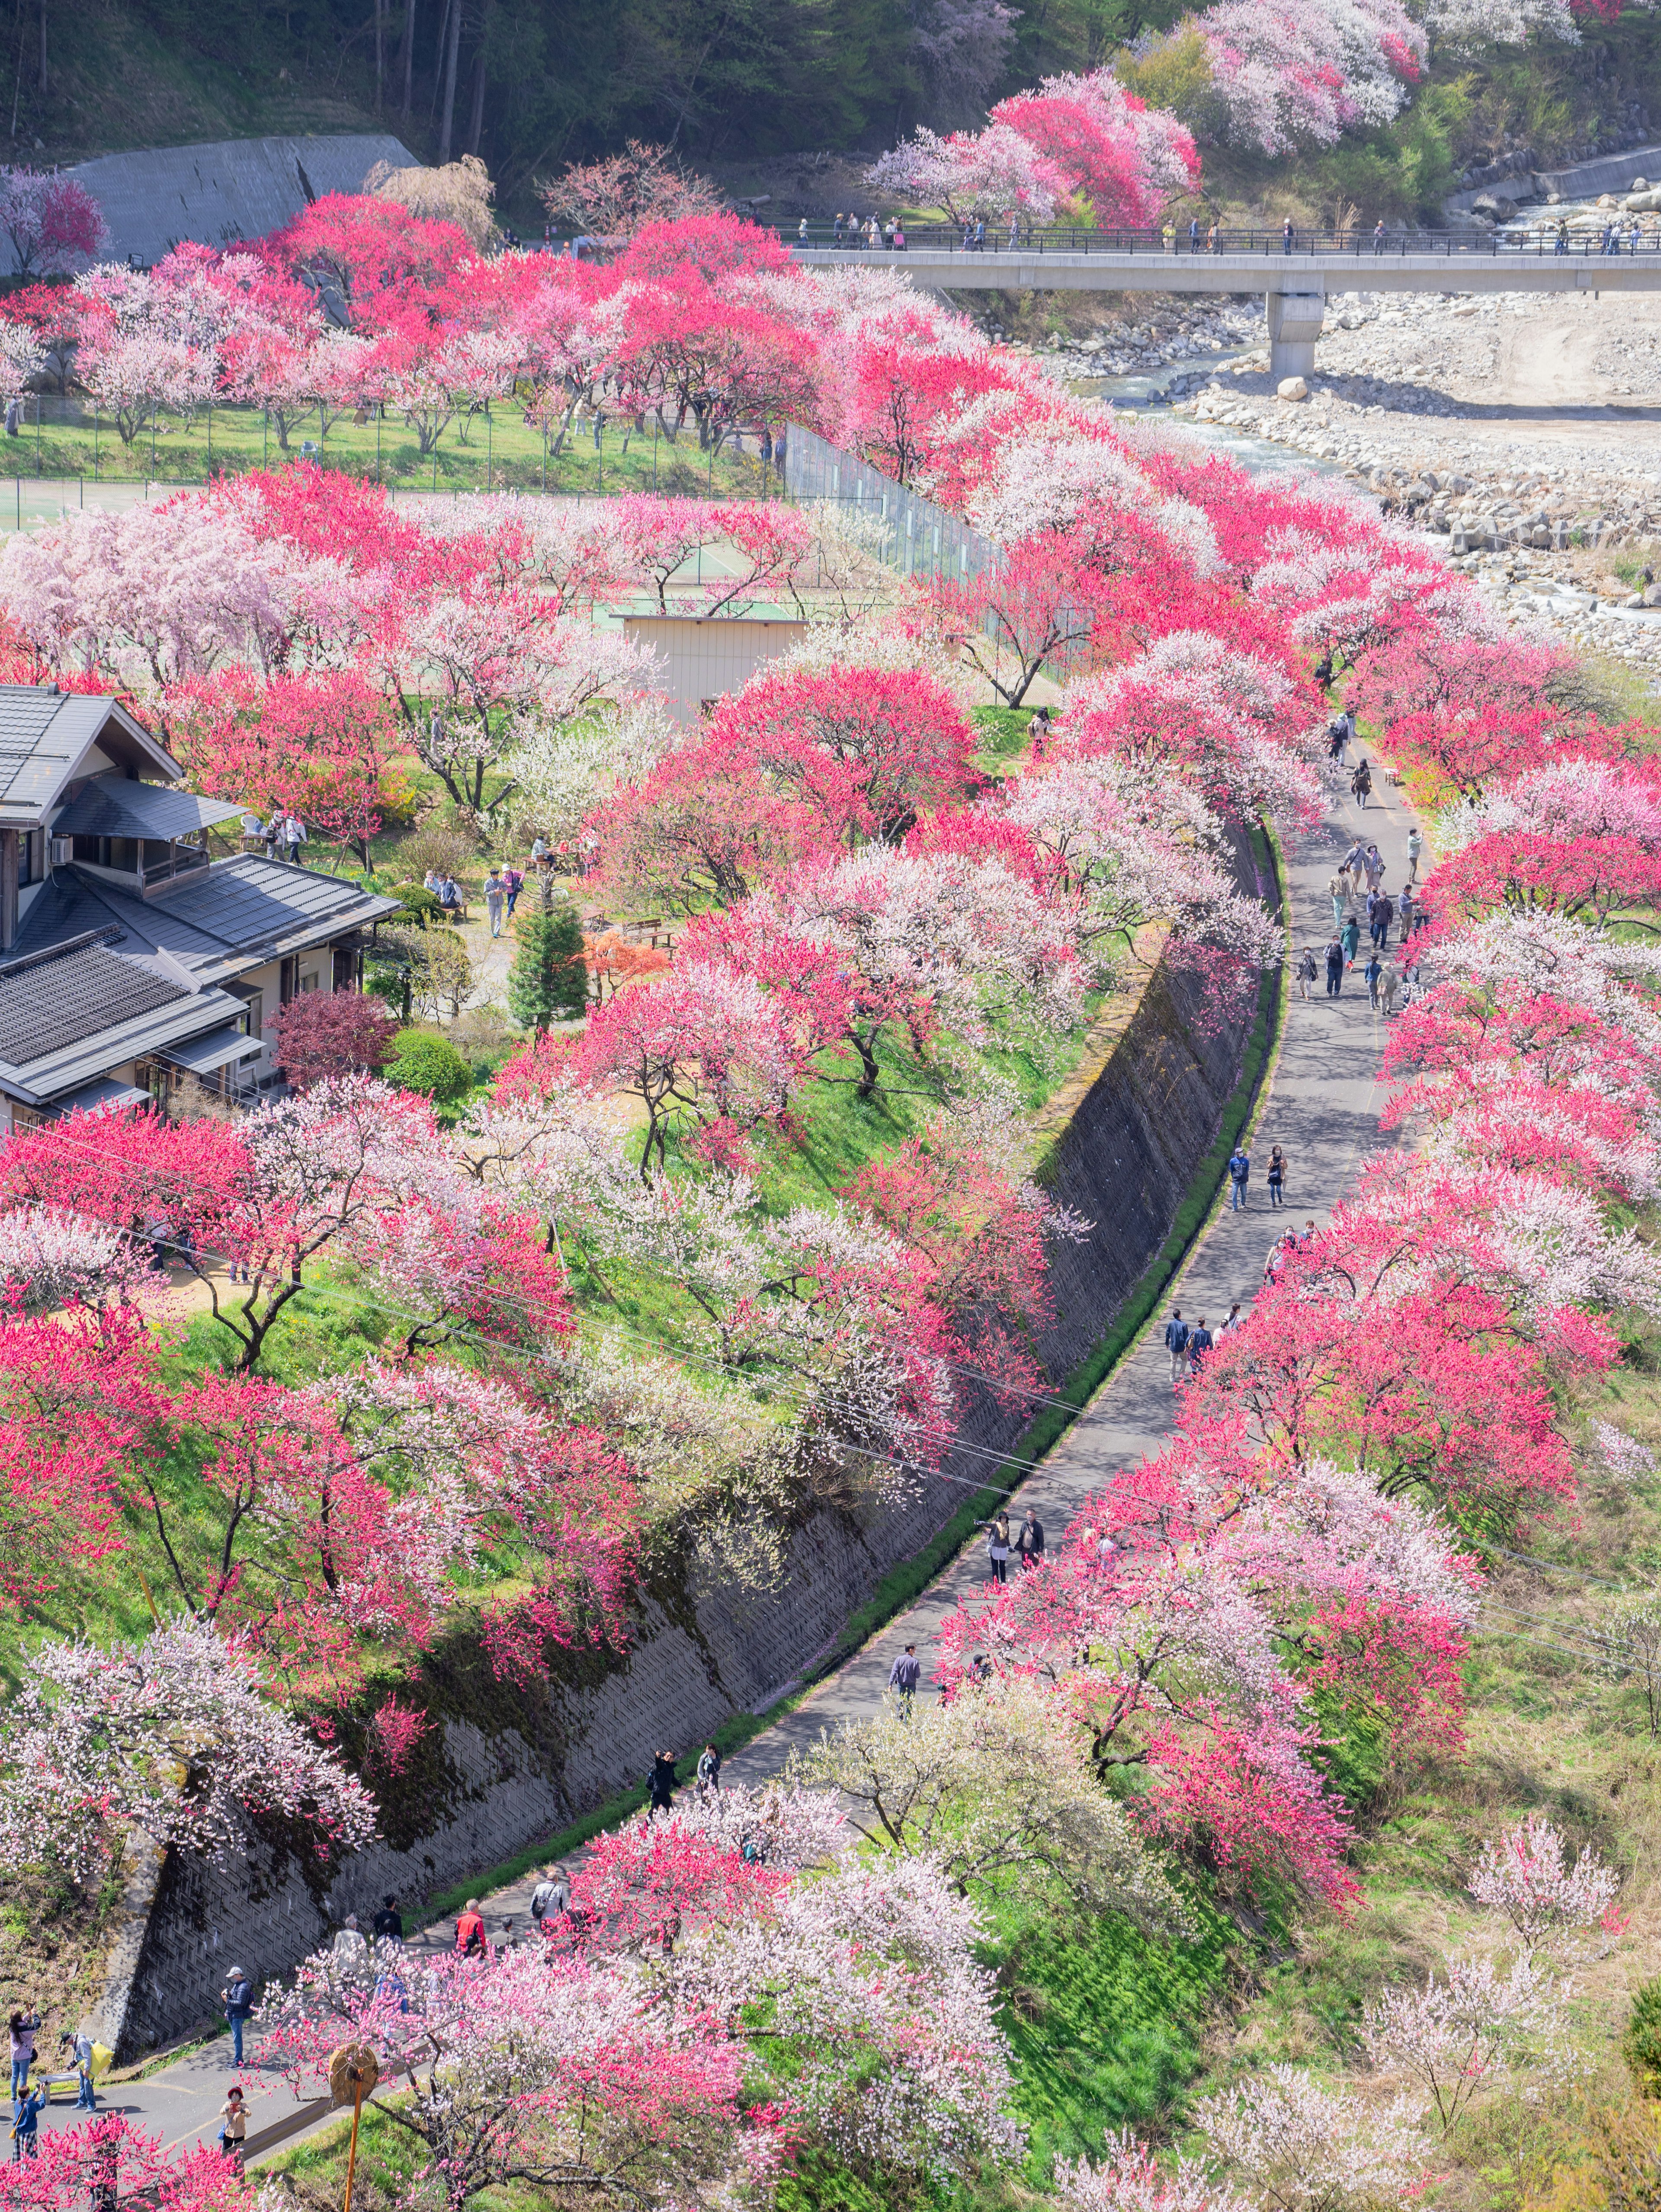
(1324, 1106)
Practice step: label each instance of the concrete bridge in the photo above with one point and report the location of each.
(1294, 284)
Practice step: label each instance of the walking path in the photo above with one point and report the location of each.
(1323, 1105)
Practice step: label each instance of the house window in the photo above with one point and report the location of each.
(289, 985)
(29, 847)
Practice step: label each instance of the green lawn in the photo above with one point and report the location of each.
(498, 452)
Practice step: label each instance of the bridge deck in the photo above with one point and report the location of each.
(1323, 270)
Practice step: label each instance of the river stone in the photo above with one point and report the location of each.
(1292, 388)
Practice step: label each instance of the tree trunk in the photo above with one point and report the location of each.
(43, 49)
(476, 120)
(406, 54)
(379, 55)
(451, 51)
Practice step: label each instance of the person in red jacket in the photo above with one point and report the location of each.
(470, 1931)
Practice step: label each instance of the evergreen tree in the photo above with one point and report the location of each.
(548, 979)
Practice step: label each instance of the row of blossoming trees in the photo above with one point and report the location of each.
(863, 901)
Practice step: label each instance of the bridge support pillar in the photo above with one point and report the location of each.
(1294, 324)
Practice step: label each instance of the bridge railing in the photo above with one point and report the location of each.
(1544, 240)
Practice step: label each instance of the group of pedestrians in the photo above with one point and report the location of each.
(1021, 1540)
(1239, 1177)
(29, 2097)
(873, 234)
(284, 832)
(1358, 892)
(1188, 1342)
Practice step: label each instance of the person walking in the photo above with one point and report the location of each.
(237, 1997)
(293, 836)
(709, 1775)
(1338, 889)
(1031, 1540)
(1235, 1317)
(1372, 972)
(1388, 984)
(26, 2124)
(470, 1930)
(1415, 845)
(232, 2125)
(552, 1894)
(1305, 972)
(660, 1783)
(904, 1675)
(1372, 866)
(1199, 1343)
(81, 2047)
(495, 899)
(387, 1926)
(899, 247)
(1350, 937)
(1176, 1343)
(24, 2026)
(1287, 235)
(1335, 969)
(512, 882)
(1379, 235)
(1404, 908)
(348, 1944)
(1277, 1176)
(1382, 915)
(1561, 236)
(997, 1545)
(801, 232)
(1361, 783)
(1194, 235)
(1239, 1174)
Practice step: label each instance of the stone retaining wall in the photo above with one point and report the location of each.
(1120, 1145)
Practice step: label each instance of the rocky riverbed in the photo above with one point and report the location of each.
(1522, 435)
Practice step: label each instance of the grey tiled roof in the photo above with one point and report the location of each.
(56, 999)
(43, 736)
(118, 806)
(214, 922)
(68, 1016)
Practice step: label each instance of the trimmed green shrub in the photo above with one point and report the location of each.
(431, 1064)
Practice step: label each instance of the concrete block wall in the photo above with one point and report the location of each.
(1124, 1158)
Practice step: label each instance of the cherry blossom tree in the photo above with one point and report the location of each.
(93, 1739)
(1130, 2179)
(1457, 2038)
(1523, 1873)
(1306, 2147)
(54, 222)
(530, 2068)
(867, 1985)
(1125, 159)
(984, 174)
(705, 1053)
(987, 1782)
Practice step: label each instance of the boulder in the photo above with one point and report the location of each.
(1292, 388)
(1652, 595)
(1495, 206)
